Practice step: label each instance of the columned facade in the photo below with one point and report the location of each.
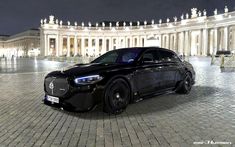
(198, 35)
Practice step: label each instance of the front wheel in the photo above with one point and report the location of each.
(117, 96)
(186, 85)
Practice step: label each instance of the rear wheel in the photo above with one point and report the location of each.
(186, 85)
(117, 96)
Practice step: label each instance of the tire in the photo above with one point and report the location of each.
(186, 84)
(117, 96)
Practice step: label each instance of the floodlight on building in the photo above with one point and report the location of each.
(75, 23)
(160, 21)
(45, 21)
(61, 22)
(41, 21)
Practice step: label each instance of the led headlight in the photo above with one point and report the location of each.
(88, 79)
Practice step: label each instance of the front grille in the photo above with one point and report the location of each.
(56, 86)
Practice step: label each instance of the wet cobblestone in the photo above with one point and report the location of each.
(206, 114)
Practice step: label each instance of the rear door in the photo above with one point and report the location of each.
(148, 74)
(170, 72)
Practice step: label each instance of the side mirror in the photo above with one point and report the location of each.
(181, 57)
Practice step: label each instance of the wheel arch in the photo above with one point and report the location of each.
(125, 78)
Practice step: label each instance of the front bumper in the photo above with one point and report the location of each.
(77, 100)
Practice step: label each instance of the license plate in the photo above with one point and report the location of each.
(53, 99)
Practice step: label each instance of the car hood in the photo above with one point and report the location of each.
(92, 68)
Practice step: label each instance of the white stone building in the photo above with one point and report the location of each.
(194, 34)
(22, 44)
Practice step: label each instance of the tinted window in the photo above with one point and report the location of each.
(151, 56)
(119, 56)
(165, 56)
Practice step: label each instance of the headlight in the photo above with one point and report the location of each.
(88, 79)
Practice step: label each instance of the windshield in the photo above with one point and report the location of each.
(119, 56)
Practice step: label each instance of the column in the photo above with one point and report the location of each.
(61, 45)
(181, 43)
(199, 52)
(226, 38)
(103, 45)
(75, 45)
(90, 49)
(68, 46)
(186, 43)
(205, 42)
(97, 46)
(83, 47)
(57, 42)
(176, 43)
(215, 47)
(46, 44)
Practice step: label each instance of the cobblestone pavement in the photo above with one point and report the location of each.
(206, 114)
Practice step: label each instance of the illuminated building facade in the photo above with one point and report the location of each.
(194, 34)
(21, 44)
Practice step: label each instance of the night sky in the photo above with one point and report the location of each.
(19, 15)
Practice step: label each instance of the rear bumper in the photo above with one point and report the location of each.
(77, 100)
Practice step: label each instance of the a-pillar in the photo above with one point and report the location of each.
(68, 46)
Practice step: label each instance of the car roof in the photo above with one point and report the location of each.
(147, 48)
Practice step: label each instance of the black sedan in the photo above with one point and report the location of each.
(117, 78)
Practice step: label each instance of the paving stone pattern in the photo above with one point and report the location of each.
(173, 120)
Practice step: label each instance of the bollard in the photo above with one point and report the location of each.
(222, 61)
(212, 59)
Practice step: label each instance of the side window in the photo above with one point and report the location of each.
(166, 56)
(150, 56)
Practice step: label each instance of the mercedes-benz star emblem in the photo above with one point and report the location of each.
(51, 86)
